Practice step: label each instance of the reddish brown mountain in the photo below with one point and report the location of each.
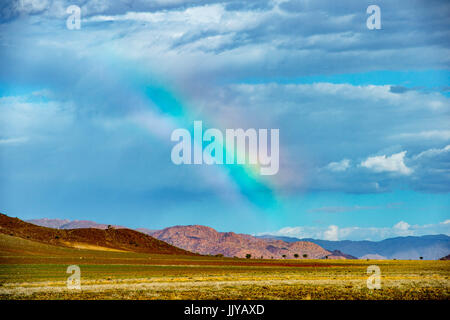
(337, 254)
(90, 238)
(206, 240)
(146, 231)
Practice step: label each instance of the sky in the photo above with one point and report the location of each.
(86, 115)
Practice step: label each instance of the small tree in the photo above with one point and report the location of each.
(421, 258)
(248, 255)
(326, 257)
(296, 255)
(284, 256)
(305, 255)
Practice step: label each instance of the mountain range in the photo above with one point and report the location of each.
(71, 224)
(429, 247)
(109, 239)
(205, 240)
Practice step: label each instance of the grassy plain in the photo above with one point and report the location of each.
(31, 270)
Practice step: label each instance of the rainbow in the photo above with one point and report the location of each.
(257, 189)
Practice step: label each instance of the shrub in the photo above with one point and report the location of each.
(248, 255)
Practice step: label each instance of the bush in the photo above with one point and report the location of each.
(305, 256)
(248, 255)
(295, 255)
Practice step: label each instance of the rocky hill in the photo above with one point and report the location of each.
(206, 240)
(88, 238)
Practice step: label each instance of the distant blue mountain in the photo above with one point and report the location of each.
(430, 247)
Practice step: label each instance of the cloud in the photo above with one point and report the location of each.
(238, 64)
(402, 226)
(400, 89)
(433, 152)
(427, 170)
(394, 163)
(246, 34)
(339, 166)
(338, 125)
(338, 209)
(334, 232)
(432, 169)
(26, 118)
(13, 141)
(110, 151)
(430, 134)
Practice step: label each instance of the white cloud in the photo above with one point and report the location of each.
(201, 42)
(339, 166)
(13, 141)
(430, 134)
(207, 17)
(337, 209)
(402, 228)
(433, 152)
(323, 110)
(32, 6)
(394, 163)
(333, 232)
(402, 225)
(20, 117)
